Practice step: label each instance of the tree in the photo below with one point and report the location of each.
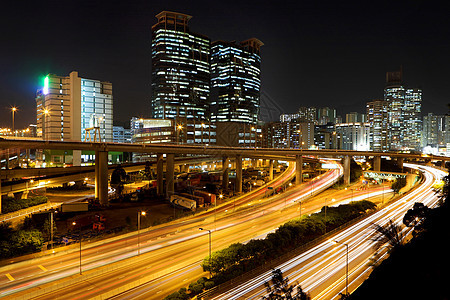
(398, 184)
(415, 214)
(27, 241)
(279, 288)
(390, 233)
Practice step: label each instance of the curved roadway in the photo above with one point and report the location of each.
(321, 271)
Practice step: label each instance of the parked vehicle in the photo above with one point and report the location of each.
(183, 202)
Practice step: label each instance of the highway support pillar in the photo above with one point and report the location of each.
(159, 174)
(96, 169)
(298, 169)
(170, 167)
(346, 164)
(238, 174)
(270, 169)
(101, 178)
(400, 162)
(377, 163)
(225, 178)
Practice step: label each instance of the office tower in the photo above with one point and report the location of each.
(377, 117)
(404, 108)
(394, 94)
(235, 81)
(67, 105)
(121, 134)
(412, 121)
(180, 69)
(354, 136)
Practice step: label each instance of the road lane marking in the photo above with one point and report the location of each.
(42, 268)
(9, 277)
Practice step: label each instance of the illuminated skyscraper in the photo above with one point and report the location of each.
(412, 121)
(180, 69)
(404, 108)
(235, 81)
(67, 105)
(394, 94)
(377, 117)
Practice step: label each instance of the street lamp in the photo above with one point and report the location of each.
(51, 227)
(13, 111)
(45, 113)
(139, 214)
(209, 231)
(346, 277)
(79, 225)
(179, 128)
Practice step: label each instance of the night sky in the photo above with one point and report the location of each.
(316, 53)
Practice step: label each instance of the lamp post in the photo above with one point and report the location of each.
(139, 214)
(79, 225)
(179, 128)
(209, 231)
(51, 227)
(346, 276)
(13, 111)
(44, 125)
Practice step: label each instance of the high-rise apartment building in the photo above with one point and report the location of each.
(180, 69)
(353, 117)
(295, 133)
(326, 115)
(377, 117)
(435, 132)
(235, 81)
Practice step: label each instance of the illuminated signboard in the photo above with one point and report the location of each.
(45, 90)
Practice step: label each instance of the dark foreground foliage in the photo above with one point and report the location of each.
(418, 269)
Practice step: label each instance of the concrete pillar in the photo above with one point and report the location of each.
(96, 165)
(159, 174)
(101, 181)
(346, 164)
(170, 167)
(377, 163)
(238, 174)
(225, 178)
(298, 169)
(400, 162)
(270, 169)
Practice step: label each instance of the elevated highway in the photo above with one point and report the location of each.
(169, 151)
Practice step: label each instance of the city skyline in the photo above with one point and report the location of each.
(330, 48)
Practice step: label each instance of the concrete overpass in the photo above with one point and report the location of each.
(227, 153)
